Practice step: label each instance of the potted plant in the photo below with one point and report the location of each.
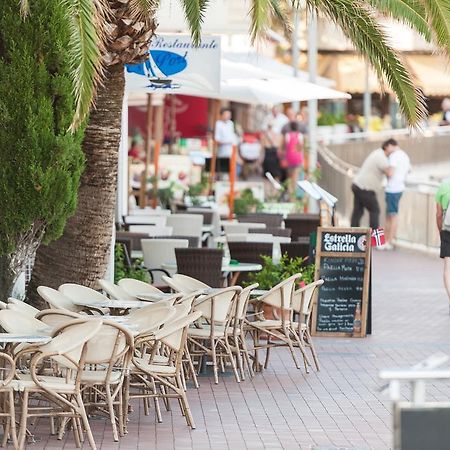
(196, 191)
(246, 203)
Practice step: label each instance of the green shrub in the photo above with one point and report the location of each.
(272, 274)
(41, 160)
(247, 203)
(121, 269)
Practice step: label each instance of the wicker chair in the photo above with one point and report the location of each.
(295, 249)
(271, 220)
(205, 212)
(274, 231)
(126, 244)
(302, 224)
(249, 252)
(204, 264)
(134, 238)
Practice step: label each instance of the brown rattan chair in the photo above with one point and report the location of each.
(193, 241)
(134, 238)
(295, 249)
(274, 231)
(206, 213)
(249, 252)
(204, 264)
(126, 246)
(271, 220)
(302, 224)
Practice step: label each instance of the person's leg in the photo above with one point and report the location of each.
(394, 217)
(394, 220)
(392, 202)
(293, 176)
(358, 206)
(374, 209)
(447, 275)
(387, 228)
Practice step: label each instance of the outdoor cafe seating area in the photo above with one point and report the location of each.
(97, 352)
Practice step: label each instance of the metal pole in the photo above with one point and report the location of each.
(312, 104)
(295, 47)
(367, 100)
(122, 169)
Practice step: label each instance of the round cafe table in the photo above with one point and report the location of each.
(14, 338)
(116, 307)
(156, 297)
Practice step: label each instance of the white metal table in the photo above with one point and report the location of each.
(13, 338)
(155, 297)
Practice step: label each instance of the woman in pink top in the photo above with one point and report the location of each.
(293, 158)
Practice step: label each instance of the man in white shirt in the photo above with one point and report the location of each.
(400, 164)
(367, 181)
(224, 134)
(276, 119)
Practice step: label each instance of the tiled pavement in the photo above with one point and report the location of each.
(339, 407)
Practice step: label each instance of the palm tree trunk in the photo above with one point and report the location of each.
(81, 255)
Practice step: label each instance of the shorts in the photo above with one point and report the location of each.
(392, 201)
(445, 244)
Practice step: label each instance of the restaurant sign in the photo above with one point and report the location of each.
(175, 64)
(344, 242)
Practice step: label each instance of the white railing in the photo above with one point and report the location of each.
(384, 134)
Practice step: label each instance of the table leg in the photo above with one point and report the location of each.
(233, 278)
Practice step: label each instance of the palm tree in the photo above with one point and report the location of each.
(106, 34)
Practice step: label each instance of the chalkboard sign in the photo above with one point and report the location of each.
(343, 262)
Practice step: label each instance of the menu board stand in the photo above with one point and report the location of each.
(341, 306)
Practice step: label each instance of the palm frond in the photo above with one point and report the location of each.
(24, 8)
(281, 15)
(194, 11)
(438, 13)
(85, 51)
(409, 12)
(260, 13)
(143, 9)
(359, 25)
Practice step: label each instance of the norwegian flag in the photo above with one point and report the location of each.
(378, 237)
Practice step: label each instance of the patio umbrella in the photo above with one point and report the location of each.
(276, 90)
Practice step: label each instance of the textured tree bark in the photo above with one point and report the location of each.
(81, 254)
(13, 264)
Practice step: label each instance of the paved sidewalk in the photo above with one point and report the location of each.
(340, 406)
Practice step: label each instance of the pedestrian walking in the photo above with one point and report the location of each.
(396, 183)
(368, 180)
(443, 224)
(271, 142)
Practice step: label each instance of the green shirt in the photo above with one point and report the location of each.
(443, 195)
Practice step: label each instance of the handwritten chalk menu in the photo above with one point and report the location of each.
(343, 262)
